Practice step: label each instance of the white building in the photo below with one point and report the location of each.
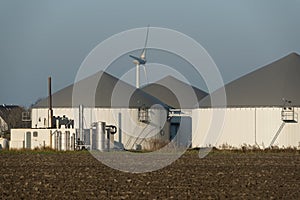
(141, 119)
(182, 98)
(262, 109)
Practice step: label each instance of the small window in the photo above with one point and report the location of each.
(35, 134)
(39, 119)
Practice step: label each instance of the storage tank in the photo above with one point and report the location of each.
(100, 136)
(65, 140)
(4, 143)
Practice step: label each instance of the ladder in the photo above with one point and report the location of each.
(277, 134)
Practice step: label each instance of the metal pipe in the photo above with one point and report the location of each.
(81, 138)
(50, 111)
(137, 81)
(72, 142)
(51, 139)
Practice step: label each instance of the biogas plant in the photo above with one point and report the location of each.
(261, 111)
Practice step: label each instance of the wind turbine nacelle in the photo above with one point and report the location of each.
(136, 62)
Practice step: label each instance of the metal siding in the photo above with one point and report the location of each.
(248, 126)
(201, 120)
(238, 128)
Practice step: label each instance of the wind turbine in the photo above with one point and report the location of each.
(140, 61)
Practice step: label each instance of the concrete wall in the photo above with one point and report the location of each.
(240, 126)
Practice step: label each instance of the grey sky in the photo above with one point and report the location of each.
(51, 38)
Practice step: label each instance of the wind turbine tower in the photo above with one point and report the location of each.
(138, 61)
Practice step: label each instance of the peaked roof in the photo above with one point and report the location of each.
(7, 110)
(266, 86)
(12, 116)
(108, 92)
(175, 93)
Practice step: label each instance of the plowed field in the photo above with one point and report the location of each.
(78, 175)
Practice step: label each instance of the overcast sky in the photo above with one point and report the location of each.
(51, 38)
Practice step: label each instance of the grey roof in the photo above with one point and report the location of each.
(7, 110)
(175, 93)
(108, 92)
(266, 86)
(12, 116)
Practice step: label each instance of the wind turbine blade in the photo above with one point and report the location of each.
(143, 55)
(134, 57)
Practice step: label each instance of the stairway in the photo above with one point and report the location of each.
(277, 134)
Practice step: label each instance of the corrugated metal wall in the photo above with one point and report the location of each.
(250, 126)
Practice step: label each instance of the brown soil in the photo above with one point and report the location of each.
(77, 175)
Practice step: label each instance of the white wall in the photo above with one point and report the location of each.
(241, 126)
(18, 138)
(126, 120)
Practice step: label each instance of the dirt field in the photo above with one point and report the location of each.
(78, 175)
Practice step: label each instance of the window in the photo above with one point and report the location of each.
(35, 134)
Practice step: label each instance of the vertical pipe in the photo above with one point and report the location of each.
(55, 140)
(59, 140)
(66, 141)
(73, 142)
(137, 83)
(50, 111)
(120, 128)
(81, 138)
(108, 139)
(91, 138)
(112, 139)
(50, 139)
(255, 126)
(91, 130)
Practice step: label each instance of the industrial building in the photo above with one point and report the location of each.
(175, 93)
(182, 98)
(72, 118)
(262, 109)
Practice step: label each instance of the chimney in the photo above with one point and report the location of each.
(50, 111)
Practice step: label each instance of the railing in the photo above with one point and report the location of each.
(289, 115)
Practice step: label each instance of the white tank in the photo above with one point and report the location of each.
(4, 144)
(100, 136)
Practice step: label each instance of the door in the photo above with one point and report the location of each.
(28, 140)
(173, 131)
